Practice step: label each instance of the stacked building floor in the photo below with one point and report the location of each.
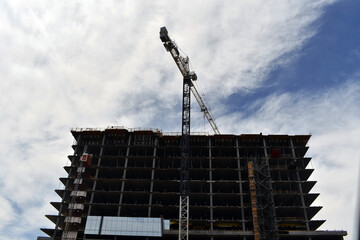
(124, 184)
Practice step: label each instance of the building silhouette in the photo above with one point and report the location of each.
(124, 184)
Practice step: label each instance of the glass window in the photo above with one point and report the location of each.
(132, 226)
(92, 225)
(166, 225)
(126, 226)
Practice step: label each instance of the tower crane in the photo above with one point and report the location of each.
(188, 78)
(183, 65)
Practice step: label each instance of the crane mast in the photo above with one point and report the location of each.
(188, 78)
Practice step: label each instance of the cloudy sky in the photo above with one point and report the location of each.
(270, 66)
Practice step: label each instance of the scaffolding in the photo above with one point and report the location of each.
(263, 207)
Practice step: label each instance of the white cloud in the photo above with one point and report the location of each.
(5, 212)
(68, 64)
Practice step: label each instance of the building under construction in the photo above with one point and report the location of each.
(124, 184)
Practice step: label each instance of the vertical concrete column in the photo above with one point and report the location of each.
(211, 189)
(240, 186)
(124, 176)
(72, 169)
(267, 163)
(96, 175)
(300, 187)
(152, 177)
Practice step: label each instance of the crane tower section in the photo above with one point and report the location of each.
(188, 78)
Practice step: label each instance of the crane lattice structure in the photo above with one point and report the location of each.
(188, 78)
(183, 65)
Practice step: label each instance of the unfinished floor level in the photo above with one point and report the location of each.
(124, 184)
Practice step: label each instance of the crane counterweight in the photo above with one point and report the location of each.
(164, 35)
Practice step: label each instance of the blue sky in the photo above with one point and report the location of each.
(276, 67)
(322, 63)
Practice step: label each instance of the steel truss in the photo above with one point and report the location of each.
(185, 163)
(183, 218)
(264, 200)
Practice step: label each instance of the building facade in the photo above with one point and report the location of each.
(124, 184)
